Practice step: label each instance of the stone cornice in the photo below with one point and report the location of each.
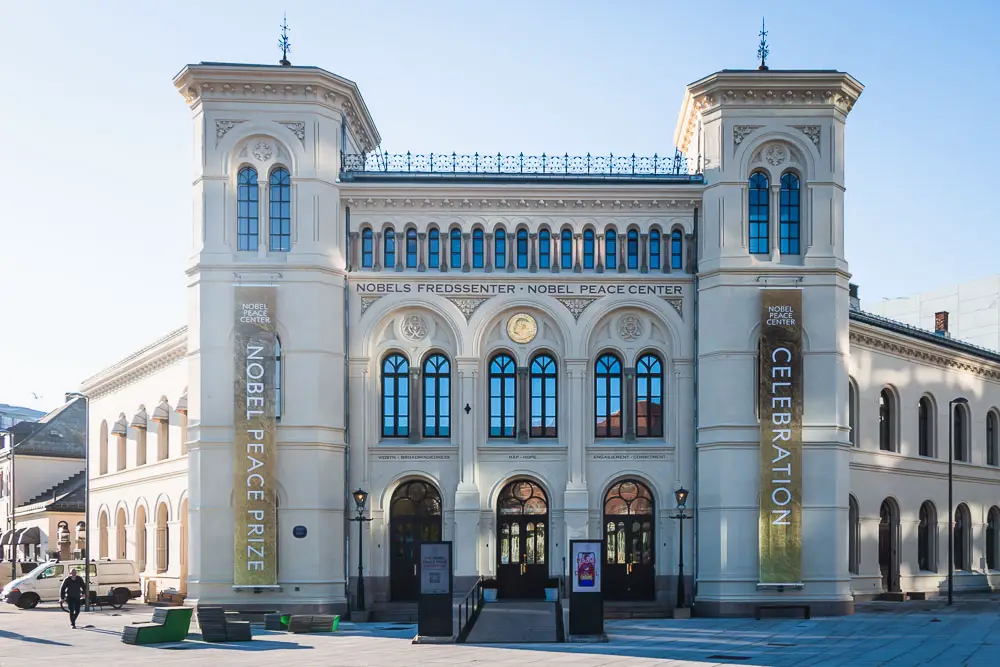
(494, 205)
(747, 89)
(889, 342)
(224, 82)
(165, 352)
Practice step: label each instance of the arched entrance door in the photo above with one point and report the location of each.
(414, 517)
(629, 542)
(888, 546)
(522, 544)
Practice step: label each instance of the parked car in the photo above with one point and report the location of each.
(112, 582)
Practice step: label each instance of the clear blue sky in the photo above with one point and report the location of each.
(95, 215)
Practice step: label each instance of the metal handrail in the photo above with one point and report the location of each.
(468, 610)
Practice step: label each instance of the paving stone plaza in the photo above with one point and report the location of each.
(914, 633)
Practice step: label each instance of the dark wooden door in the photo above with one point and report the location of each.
(888, 549)
(522, 541)
(414, 517)
(629, 542)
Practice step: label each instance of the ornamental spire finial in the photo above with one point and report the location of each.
(762, 50)
(283, 42)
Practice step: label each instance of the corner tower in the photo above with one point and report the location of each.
(772, 145)
(267, 146)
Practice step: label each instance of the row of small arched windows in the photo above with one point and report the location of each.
(279, 194)
(760, 214)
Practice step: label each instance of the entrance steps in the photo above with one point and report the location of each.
(515, 622)
(395, 612)
(637, 609)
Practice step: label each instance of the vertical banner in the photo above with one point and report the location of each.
(780, 396)
(254, 491)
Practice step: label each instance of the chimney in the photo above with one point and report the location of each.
(852, 290)
(941, 324)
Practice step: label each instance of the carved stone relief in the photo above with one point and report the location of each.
(630, 328)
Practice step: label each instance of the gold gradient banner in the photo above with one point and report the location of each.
(254, 491)
(780, 396)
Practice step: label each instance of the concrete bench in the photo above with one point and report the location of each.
(168, 625)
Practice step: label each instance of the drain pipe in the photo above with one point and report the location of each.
(694, 481)
(347, 414)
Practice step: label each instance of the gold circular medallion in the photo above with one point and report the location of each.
(522, 328)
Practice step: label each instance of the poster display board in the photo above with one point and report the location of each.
(436, 577)
(586, 601)
(586, 567)
(435, 569)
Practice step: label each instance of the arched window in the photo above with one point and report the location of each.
(162, 539)
(649, 397)
(389, 248)
(477, 248)
(395, 396)
(654, 249)
(247, 214)
(610, 249)
(543, 397)
(925, 433)
(992, 438)
(140, 539)
(852, 412)
(522, 248)
(759, 215)
(367, 248)
(456, 249)
(544, 249)
(434, 249)
(886, 421)
(103, 453)
(411, 248)
(608, 397)
(437, 397)
(676, 250)
(588, 248)
(120, 543)
(789, 214)
(280, 191)
(993, 539)
(632, 248)
(963, 538)
(277, 378)
(961, 427)
(102, 528)
(566, 249)
(500, 249)
(502, 396)
(927, 538)
(853, 536)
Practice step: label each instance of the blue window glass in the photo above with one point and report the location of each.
(632, 249)
(649, 397)
(543, 397)
(676, 250)
(566, 250)
(522, 248)
(544, 249)
(477, 248)
(395, 396)
(610, 249)
(500, 249)
(389, 248)
(247, 202)
(502, 396)
(588, 248)
(437, 397)
(411, 248)
(789, 214)
(456, 249)
(654, 249)
(367, 248)
(434, 249)
(608, 397)
(759, 215)
(281, 210)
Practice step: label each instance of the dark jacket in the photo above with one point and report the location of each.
(72, 589)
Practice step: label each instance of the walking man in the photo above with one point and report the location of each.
(72, 594)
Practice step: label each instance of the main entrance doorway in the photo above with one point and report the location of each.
(522, 547)
(629, 542)
(414, 517)
(888, 546)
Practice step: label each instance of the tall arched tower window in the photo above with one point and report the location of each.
(456, 248)
(543, 397)
(610, 249)
(500, 249)
(437, 397)
(608, 397)
(281, 210)
(886, 421)
(247, 213)
(544, 249)
(566, 249)
(503, 399)
(434, 249)
(789, 214)
(411, 248)
(992, 438)
(961, 427)
(925, 432)
(654, 249)
(588, 248)
(632, 249)
(395, 396)
(477, 248)
(367, 248)
(759, 215)
(649, 397)
(522, 248)
(676, 250)
(389, 248)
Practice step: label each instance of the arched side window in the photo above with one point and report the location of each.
(610, 249)
(140, 539)
(925, 427)
(389, 248)
(589, 247)
(478, 250)
(853, 536)
(961, 427)
(247, 212)
(434, 249)
(411, 248)
(120, 542)
(789, 212)
(522, 248)
(632, 249)
(162, 540)
(395, 396)
(544, 249)
(886, 421)
(676, 250)
(103, 453)
(367, 248)
(649, 397)
(278, 398)
(852, 412)
(566, 249)
(280, 192)
(927, 538)
(543, 397)
(500, 249)
(992, 438)
(503, 400)
(993, 539)
(437, 397)
(608, 397)
(759, 215)
(963, 538)
(654, 249)
(456, 248)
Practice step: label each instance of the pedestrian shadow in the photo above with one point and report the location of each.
(195, 643)
(6, 634)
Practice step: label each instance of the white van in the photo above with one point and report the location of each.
(112, 582)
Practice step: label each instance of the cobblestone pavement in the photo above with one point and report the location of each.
(914, 633)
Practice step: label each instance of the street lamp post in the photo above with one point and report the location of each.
(360, 498)
(86, 495)
(951, 527)
(681, 495)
